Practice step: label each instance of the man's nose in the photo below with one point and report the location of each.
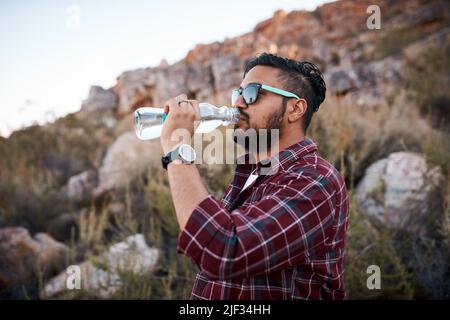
(240, 103)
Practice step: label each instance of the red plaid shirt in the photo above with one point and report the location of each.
(282, 238)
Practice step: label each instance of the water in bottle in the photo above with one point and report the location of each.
(148, 121)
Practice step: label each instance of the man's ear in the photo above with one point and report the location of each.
(297, 110)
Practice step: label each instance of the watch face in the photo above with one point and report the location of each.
(187, 153)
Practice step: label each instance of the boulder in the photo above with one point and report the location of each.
(135, 89)
(227, 72)
(100, 99)
(127, 158)
(23, 257)
(341, 81)
(400, 190)
(103, 279)
(80, 186)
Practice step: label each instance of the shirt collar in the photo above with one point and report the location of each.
(282, 160)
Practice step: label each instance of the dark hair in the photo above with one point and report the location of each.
(300, 77)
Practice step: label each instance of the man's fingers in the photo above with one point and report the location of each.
(182, 114)
(181, 105)
(169, 104)
(166, 107)
(191, 107)
(195, 106)
(173, 102)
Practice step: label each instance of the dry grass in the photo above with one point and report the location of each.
(35, 163)
(350, 136)
(354, 136)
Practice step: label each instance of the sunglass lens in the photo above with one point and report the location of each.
(250, 94)
(234, 96)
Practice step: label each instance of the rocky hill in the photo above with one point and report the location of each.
(85, 191)
(356, 61)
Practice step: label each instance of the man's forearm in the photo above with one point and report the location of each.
(187, 190)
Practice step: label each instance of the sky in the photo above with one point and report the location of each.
(51, 52)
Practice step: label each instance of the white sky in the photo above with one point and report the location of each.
(51, 52)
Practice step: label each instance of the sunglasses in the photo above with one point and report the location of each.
(251, 93)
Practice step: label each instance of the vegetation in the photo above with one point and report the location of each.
(35, 163)
(428, 78)
(393, 40)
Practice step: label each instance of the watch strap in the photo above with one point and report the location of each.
(169, 157)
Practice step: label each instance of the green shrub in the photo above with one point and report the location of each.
(392, 41)
(428, 77)
(366, 246)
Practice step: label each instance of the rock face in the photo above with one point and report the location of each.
(21, 256)
(398, 190)
(153, 86)
(100, 99)
(352, 57)
(342, 81)
(125, 159)
(129, 256)
(80, 186)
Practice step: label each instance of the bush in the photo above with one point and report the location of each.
(428, 76)
(366, 246)
(36, 162)
(354, 136)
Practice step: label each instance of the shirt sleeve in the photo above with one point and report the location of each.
(283, 229)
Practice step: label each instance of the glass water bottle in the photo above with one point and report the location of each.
(148, 121)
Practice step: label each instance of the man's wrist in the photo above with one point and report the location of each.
(181, 154)
(167, 147)
(174, 162)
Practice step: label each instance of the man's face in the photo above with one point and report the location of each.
(266, 113)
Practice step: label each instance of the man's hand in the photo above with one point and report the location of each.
(182, 120)
(186, 185)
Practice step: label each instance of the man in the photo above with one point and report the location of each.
(283, 235)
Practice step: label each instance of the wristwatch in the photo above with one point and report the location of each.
(184, 152)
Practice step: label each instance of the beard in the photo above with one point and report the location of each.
(260, 139)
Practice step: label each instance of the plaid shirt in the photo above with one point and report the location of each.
(281, 238)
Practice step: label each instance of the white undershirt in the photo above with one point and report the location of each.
(251, 178)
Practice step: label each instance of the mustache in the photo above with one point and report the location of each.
(243, 114)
